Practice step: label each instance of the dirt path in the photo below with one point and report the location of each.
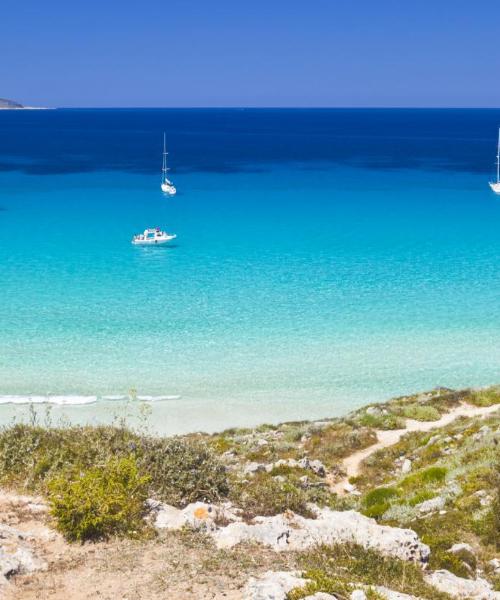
(351, 464)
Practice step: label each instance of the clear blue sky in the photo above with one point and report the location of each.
(251, 53)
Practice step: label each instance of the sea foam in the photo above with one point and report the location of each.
(75, 400)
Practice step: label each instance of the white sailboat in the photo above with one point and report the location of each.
(166, 185)
(495, 185)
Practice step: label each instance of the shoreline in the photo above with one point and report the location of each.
(175, 415)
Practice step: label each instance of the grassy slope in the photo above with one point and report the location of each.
(459, 463)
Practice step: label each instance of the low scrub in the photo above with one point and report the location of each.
(267, 496)
(179, 470)
(421, 412)
(378, 501)
(487, 397)
(333, 568)
(429, 476)
(337, 441)
(183, 471)
(100, 502)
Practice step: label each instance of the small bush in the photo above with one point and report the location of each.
(450, 562)
(429, 476)
(319, 581)
(31, 455)
(265, 496)
(378, 501)
(486, 397)
(100, 502)
(183, 471)
(488, 528)
(421, 412)
(381, 421)
(337, 441)
(331, 567)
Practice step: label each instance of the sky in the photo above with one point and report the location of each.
(262, 53)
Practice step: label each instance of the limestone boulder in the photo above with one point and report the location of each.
(198, 515)
(392, 595)
(460, 588)
(273, 585)
(289, 531)
(432, 505)
(17, 555)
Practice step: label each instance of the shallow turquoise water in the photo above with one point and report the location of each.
(294, 290)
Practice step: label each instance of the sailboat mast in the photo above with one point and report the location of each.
(498, 157)
(164, 165)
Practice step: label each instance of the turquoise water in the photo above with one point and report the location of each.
(294, 290)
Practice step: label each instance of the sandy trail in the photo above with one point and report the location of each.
(351, 464)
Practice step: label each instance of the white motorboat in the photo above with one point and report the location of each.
(495, 185)
(166, 185)
(152, 237)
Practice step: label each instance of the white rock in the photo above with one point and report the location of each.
(392, 595)
(358, 595)
(168, 517)
(349, 487)
(406, 466)
(494, 563)
(457, 548)
(198, 515)
(321, 596)
(316, 466)
(431, 505)
(273, 585)
(293, 532)
(16, 554)
(458, 587)
(254, 467)
(262, 442)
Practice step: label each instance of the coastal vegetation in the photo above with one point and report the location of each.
(109, 482)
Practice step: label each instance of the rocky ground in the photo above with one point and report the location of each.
(394, 501)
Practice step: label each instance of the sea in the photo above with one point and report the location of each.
(324, 259)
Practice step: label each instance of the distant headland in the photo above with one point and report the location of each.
(4, 103)
(13, 105)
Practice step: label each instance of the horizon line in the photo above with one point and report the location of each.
(222, 107)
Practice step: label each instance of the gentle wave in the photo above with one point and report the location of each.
(72, 400)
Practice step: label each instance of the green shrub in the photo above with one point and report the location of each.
(183, 471)
(451, 562)
(31, 455)
(331, 567)
(488, 527)
(381, 421)
(429, 476)
(100, 502)
(486, 397)
(421, 412)
(421, 497)
(265, 496)
(337, 441)
(377, 501)
(180, 470)
(378, 495)
(320, 582)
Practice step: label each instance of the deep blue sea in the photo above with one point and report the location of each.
(324, 259)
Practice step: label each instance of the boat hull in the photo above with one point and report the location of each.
(495, 187)
(154, 242)
(168, 189)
